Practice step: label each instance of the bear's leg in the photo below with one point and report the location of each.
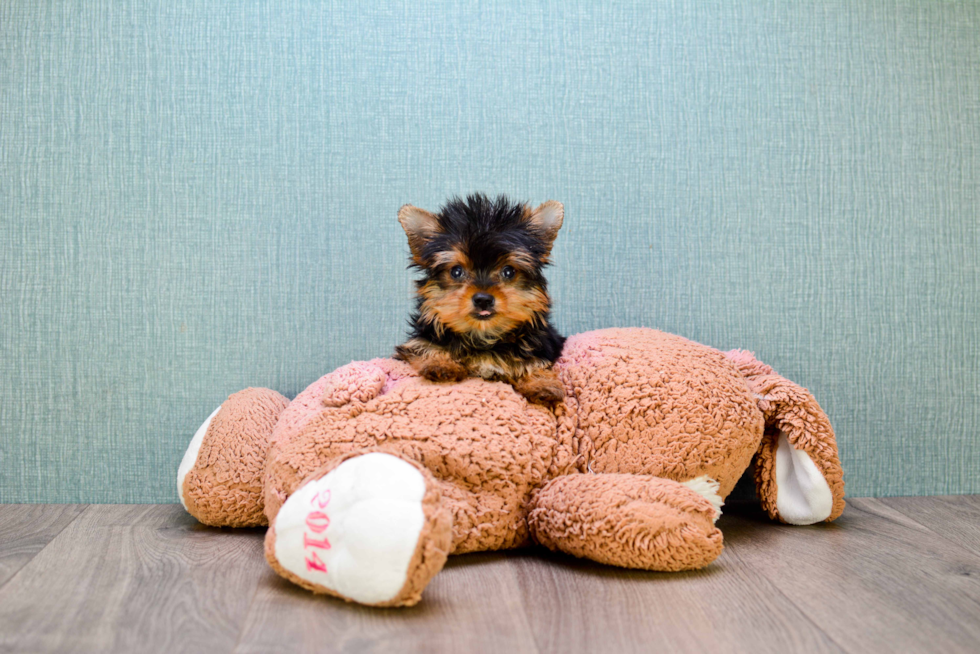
(370, 528)
(631, 521)
(220, 479)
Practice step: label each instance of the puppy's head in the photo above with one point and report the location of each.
(482, 262)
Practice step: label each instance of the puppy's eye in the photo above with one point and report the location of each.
(456, 272)
(507, 273)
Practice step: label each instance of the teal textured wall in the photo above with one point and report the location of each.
(200, 196)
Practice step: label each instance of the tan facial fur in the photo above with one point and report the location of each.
(451, 305)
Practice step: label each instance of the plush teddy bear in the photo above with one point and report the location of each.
(373, 475)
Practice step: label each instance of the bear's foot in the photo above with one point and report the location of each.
(372, 530)
(632, 521)
(220, 479)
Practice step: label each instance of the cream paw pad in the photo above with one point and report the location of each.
(372, 530)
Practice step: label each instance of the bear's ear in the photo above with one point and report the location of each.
(798, 475)
(419, 226)
(547, 220)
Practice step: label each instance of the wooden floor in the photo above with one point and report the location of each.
(891, 575)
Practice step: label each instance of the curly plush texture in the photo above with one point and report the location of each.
(646, 402)
(226, 484)
(631, 521)
(641, 402)
(486, 447)
(792, 410)
(653, 434)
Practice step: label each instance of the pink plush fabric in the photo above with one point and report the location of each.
(616, 473)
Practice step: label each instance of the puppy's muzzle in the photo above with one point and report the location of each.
(483, 303)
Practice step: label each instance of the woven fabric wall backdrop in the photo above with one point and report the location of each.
(197, 197)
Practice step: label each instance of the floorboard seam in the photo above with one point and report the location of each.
(512, 566)
(248, 614)
(926, 527)
(780, 593)
(50, 540)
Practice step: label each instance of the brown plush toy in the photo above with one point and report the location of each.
(373, 475)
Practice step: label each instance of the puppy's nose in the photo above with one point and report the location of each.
(483, 301)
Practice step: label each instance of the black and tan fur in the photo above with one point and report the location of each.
(483, 306)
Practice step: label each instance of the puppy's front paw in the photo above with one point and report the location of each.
(541, 387)
(545, 394)
(442, 370)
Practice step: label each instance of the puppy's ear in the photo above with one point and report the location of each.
(419, 226)
(547, 219)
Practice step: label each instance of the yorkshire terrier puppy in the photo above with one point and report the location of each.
(482, 306)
